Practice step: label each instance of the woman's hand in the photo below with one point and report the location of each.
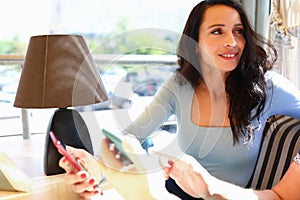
(141, 180)
(133, 181)
(84, 182)
(189, 175)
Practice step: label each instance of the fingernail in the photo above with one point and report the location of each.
(92, 181)
(96, 192)
(64, 160)
(83, 176)
(118, 155)
(111, 147)
(170, 162)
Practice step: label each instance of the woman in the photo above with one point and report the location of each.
(222, 94)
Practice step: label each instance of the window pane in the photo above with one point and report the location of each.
(119, 27)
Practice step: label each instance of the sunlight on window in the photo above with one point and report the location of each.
(35, 17)
(140, 27)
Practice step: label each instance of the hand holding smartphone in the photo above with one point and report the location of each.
(61, 147)
(116, 137)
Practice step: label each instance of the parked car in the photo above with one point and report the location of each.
(147, 80)
(147, 87)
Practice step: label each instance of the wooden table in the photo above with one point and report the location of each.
(54, 188)
(44, 187)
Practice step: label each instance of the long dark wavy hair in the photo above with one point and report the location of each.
(245, 85)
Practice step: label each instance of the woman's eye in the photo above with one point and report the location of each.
(216, 32)
(239, 31)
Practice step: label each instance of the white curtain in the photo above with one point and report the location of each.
(284, 31)
(279, 20)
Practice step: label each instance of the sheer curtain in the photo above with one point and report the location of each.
(279, 20)
(284, 31)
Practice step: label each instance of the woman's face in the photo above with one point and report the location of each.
(221, 41)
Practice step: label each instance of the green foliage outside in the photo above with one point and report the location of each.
(119, 41)
(141, 43)
(13, 45)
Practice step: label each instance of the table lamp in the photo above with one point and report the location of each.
(59, 72)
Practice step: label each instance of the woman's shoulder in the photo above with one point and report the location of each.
(177, 80)
(176, 84)
(277, 79)
(272, 75)
(279, 84)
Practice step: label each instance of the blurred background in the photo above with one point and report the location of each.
(133, 43)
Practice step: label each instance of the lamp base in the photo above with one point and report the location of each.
(70, 128)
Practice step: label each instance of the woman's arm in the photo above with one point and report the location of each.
(156, 112)
(225, 190)
(196, 181)
(289, 186)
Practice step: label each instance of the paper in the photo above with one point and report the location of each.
(11, 177)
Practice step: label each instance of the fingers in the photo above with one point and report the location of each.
(74, 154)
(164, 156)
(90, 194)
(133, 148)
(83, 184)
(63, 163)
(81, 181)
(153, 161)
(73, 178)
(142, 161)
(86, 185)
(166, 163)
(77, 153)
(167, 168)
(108, 157)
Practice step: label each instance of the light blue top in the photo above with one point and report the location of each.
(213, 147)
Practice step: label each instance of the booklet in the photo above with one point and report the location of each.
(11, 177)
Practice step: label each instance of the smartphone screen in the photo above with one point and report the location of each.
(61, 147)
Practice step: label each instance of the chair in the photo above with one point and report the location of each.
(280, 144)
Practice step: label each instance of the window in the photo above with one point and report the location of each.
(135, 27)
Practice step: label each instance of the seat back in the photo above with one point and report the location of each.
(279, 146)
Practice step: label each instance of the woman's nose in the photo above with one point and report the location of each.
(230, 40)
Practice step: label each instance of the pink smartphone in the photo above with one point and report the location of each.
(61, 147)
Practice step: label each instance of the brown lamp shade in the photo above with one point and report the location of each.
(59, 72)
